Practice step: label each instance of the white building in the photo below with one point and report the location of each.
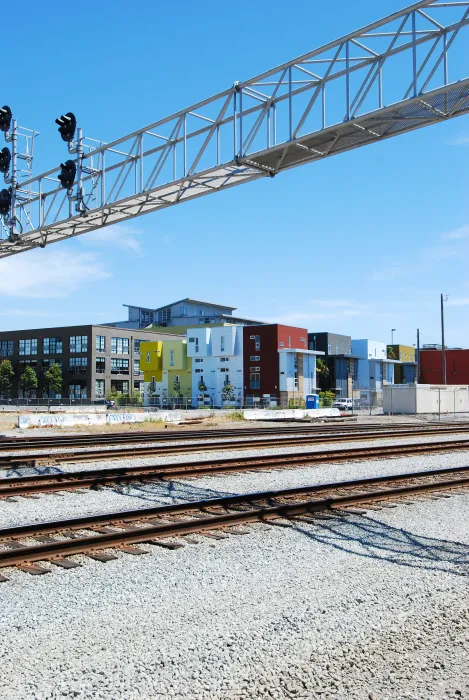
(217, 360)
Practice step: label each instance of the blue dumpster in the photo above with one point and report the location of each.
(312, 401)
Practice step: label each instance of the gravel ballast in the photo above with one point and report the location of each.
(131, 496)
(371, 605)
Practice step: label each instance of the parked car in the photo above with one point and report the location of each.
(343, 404)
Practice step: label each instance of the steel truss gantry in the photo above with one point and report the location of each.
(386, 79)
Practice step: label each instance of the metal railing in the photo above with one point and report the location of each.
(18, 401)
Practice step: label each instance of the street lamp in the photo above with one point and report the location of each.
(393, 330)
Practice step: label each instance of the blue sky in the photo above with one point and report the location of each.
(359, 243)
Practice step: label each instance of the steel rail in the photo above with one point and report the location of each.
(26, 442)
(95, 478)
(211, 514)
(40, 458)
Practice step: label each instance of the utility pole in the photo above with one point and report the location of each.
(418, 355)
(443, 354)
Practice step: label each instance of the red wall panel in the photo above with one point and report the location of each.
(457, 367)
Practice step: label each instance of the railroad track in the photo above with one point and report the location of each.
(94, 535)
(97, 478)
(28, 442)
(38, 459)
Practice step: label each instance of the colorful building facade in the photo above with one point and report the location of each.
(278, 366)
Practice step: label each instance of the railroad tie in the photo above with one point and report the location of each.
(33, 569)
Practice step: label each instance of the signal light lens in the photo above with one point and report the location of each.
(5, 159)
(67, 174)
(67, 126)
(5, 118)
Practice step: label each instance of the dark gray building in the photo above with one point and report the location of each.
(94, 359)
(342, 366)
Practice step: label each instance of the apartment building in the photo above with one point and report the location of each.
(185, 312)
(278, 366)
(95, 360)
(341, 364)
(405, 371)
(203, 363)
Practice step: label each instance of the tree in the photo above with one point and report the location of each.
(7, 375)
(177, 393)
(28, 380)
(321, 368)
(202, 386)
(53, 379)
(228, 393)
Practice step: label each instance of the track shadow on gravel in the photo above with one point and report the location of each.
(29, 471)
(370, 538)
(169, 491)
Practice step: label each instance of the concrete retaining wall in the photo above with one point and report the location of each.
(291, 413)
(68, 420)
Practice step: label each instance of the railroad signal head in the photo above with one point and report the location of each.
(67, 174)
(5, 159)
(67, 126)
(5, 202)
(5, 118)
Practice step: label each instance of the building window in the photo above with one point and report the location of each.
(254, 369)
(78, 343)
(122, 387)
(52, 346)
(101, 343)
(119, 366)
(198, 371)
(77, 391)
(100, 365)
(6, 348)
(78, 365)
(257, 338)
(146, 317)
(199, 359)
(224, 359)
(329, 348)
(138, 386)
(183, 310)
(197, 345)
(337, 348)
(303, 340)
(137, 370)
(255, 381)
(171, 358)
(99, 389)
(120, 346)
(224, 369)
(281, 345)
(255, 358)
(201, 312)
(222, 343)
(148, 358)
(164, 316)
(137, 346)
(289, 341)
(28, 346)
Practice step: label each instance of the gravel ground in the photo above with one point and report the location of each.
(208, 456)
(128, 497)
(368, 606)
